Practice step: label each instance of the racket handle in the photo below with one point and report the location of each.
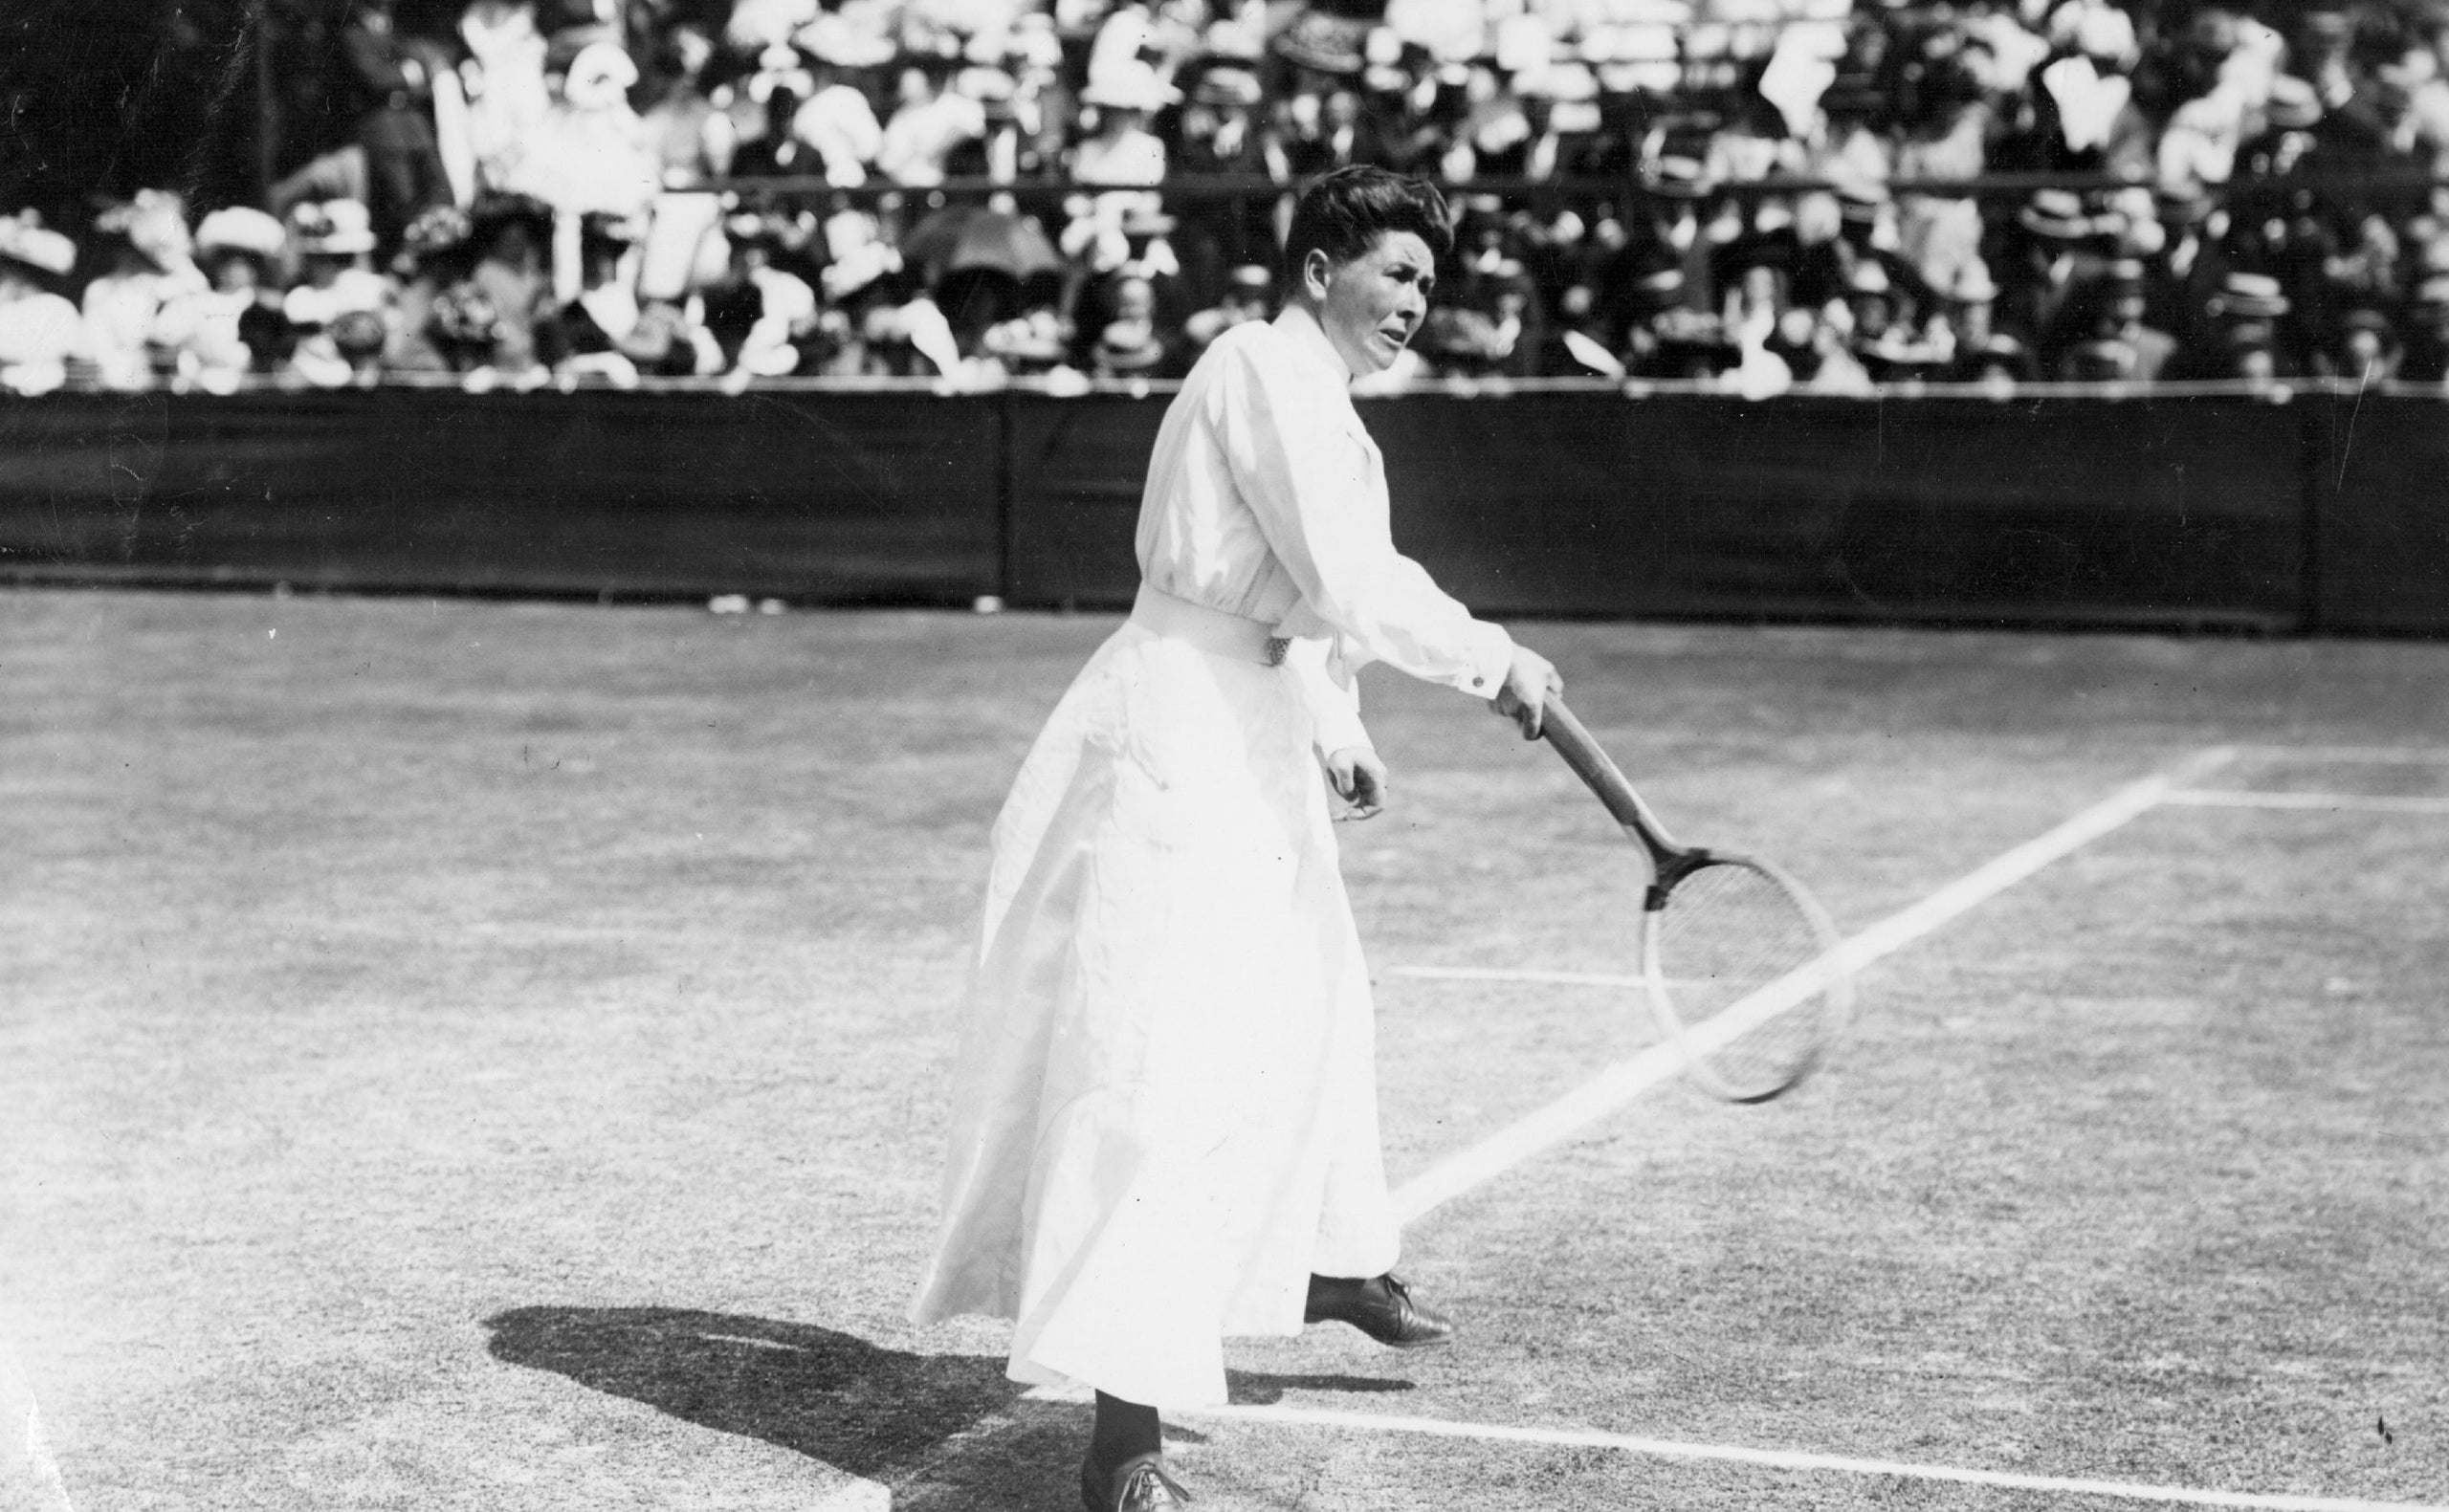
(1572, 742)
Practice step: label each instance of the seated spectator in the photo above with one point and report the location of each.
(1132, 344)
(1249, 296)
(2365, 349)
(436, 253)
(489, 321)
(589, 336)
(2249, 354)
(40, 330)
(151, 264)
(2106, 339)
(929, 123)
(589, 153)
(691, 140)
(1489, 328)
(839, 125)
(1123, 151)
(503, 78)
(2426, 359)
(761, 314)
(234, 326)
(338, 315)
(1644, 266)
(1329, 129)
(2240, 318)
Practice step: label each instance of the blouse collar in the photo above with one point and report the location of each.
(1310, 338)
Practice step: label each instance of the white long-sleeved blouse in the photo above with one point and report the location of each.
(1267, 499)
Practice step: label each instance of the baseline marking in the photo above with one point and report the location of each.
(1789, 1459)
(2379, 755)
(2326, 802)
(1498, 973)
(1619, 1084)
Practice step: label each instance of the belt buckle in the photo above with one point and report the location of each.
(1276, 647)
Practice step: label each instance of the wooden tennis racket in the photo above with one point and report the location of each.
(1736, 954)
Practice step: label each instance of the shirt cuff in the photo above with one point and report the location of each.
(1492, 657)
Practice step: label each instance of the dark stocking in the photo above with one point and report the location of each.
(1124, 1429)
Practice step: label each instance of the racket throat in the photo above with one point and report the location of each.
(1672, 869)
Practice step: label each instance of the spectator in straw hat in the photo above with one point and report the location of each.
(2062, 247)
(2182, 276)
(2247, 303)
(1968, 301)
(2107, 330)
(2286, 142)
(40, 330)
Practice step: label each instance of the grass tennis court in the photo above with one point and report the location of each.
(470, 1055)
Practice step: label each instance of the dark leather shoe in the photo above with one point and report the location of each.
(1381, 1308)
(1138, 1484)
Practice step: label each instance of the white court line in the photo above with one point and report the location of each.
(1788, 1459)
(2379, 755)
(2359, 803)
(1500, 974)
(1496, 973)
(1619, 1084)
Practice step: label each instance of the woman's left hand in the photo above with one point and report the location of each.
(1358, 778)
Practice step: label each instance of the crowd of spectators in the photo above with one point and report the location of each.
(1763, 195)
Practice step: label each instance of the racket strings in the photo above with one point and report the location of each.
(1727, 931)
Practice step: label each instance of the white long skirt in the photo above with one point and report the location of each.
(1166, 1111)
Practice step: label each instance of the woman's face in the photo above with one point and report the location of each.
(1373, 305)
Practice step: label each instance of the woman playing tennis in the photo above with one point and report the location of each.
(1165, 1109)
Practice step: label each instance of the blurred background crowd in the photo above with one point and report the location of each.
(1763, 195)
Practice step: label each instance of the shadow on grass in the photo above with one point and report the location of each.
(878, 1413)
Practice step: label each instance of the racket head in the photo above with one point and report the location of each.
(1734, 962)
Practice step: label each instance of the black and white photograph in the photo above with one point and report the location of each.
(1267, 756)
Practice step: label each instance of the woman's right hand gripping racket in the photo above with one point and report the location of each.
(1735, 955)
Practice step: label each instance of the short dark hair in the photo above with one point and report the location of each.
(1344, 214)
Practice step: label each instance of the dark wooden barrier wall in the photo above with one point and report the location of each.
(828, 498)
(2326, 512)
(2063, 509)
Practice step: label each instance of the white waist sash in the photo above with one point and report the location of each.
(1211, 630)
